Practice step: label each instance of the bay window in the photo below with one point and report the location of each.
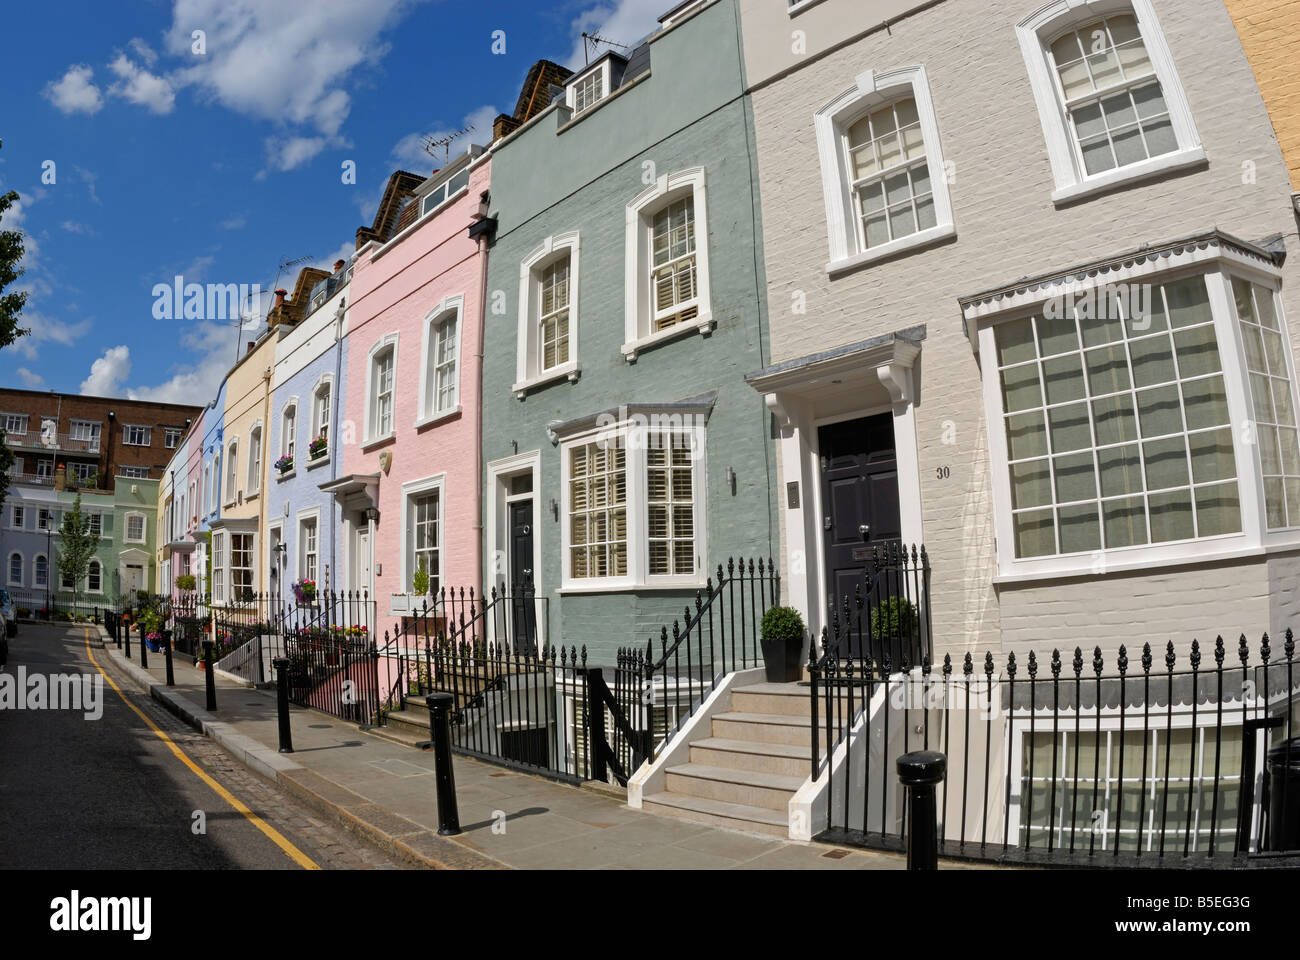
(1133, 418)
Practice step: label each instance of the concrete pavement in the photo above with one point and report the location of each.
(386, 792)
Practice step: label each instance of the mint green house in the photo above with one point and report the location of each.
(624, 455)
(125, 518)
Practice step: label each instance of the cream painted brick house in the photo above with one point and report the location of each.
(909, 320)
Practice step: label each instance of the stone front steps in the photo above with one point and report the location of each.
(744, 771)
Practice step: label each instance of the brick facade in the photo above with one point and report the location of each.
(113, 416)
(1268, 31)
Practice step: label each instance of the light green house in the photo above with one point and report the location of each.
(124, 561)
(625, 457)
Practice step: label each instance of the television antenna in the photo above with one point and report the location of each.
(240, 321)
(591, 42)
(431, 143)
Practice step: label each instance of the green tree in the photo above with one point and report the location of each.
(77, 544)
(11, 304)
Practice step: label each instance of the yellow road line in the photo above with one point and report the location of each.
(292, 852)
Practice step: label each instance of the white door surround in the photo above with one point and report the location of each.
(871, 377)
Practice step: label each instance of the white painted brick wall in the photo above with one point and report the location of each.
(1008, 228)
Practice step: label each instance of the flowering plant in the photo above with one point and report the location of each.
(317, 447)
(284, 464)
(304, 591)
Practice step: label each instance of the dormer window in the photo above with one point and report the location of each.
(586, 89)
(444, 192)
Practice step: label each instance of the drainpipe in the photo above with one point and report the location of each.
(336, 454)
(478, 459)
(265, 477)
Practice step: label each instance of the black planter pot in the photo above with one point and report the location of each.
(782, 659)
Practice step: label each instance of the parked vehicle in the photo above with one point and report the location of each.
(8, 613)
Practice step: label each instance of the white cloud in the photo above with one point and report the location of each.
(197, 382)
(143, 51)
(137, 85)
(234, 223)
(73, 226)
(75, 91)
(344, 251)
(32, 381)
(48, 330)
(286, 61)
(108, 373)
(409, 153)
(286, 154)
(624, 21)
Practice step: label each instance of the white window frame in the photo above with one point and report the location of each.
(1255, 538)
(289, 431)
(142, 475)
(253, 566)
(219, 559)
(232, 470)
(448, 309)
(216, 481)
(317, 423)
(18, 517)
(872, 90)
(528, 366)
(442, 194)
(45, 519)
(95, 524)
(37, 580)
(82, 471)
(10, 417)
(253, 483)
(573, 83)
(171, 438)
(9, 568)
(95, 563)
(639, 222)
(412, 490)
(638, 577)
(207, 487)
(146, 433)
(93, 427)
(299, 558)
(372, 399)
(192, 518)
(1044, 25)
(126, 527)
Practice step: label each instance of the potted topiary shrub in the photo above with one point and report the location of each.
(186, 582)
(782, 636)
(892, 621)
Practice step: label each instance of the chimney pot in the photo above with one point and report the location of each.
(250, 348)
(338, 265)
(280, 295)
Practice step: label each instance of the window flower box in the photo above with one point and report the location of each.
(284, 464)
(318, 448)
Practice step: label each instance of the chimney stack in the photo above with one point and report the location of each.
(279, 298)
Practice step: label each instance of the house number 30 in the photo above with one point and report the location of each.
(942, 473)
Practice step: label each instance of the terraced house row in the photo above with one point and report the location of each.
(803, 282)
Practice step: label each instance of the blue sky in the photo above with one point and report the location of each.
(220, 166)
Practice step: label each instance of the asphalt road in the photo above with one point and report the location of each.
(109, 793)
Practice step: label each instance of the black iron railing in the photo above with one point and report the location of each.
(517, 700)
(1171, 758)
(884, 626)
(334, 671)
(720, 636)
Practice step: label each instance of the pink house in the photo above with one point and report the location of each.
(410, 481)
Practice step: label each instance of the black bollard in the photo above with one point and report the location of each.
(921, 773)
(144, 649)
(281, 665)
(439, 705)
(211, 679)
(126, 631)
(167, 655)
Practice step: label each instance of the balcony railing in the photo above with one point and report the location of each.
(32, 440)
